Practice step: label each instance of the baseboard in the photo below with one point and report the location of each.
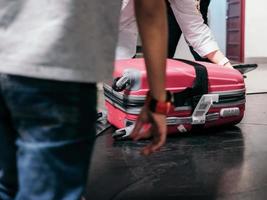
(258, 60)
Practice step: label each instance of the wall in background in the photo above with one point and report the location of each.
(256, 29)
(217, 22)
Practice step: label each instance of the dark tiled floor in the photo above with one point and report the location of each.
(217, 164)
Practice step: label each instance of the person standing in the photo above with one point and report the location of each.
(52, 53)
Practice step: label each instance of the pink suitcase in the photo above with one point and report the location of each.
(205, 95)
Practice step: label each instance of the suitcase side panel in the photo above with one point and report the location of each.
(179, 77)
(121, 119)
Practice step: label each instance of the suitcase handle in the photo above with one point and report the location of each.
(202, 108)
(121, 83)
(245, 68)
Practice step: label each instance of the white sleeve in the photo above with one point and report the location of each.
(128, 33)
(196, 32)
(124, 4)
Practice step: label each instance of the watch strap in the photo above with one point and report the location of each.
(223, 61)
(159, 107)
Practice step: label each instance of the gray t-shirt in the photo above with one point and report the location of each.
(68, 40)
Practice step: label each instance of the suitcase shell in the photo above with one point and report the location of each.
(228, 84)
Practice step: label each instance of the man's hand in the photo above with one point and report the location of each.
(216, 57)
(228, 65)
(150, 125)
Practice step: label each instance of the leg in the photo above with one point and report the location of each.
(56, 126)
(174, 32)
(8, 166)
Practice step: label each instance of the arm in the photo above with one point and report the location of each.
(218, 58)
(152, 22)
(196, 32)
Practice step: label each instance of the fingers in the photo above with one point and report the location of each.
(150, 124)
(137, 128)
(144, 133)
(159, 139)
(155, 145)
(140, 125)
(228, 65)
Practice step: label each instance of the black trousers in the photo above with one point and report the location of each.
(175, 31)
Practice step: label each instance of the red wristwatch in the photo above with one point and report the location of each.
(159, 106)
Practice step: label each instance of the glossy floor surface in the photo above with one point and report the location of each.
(228, 163)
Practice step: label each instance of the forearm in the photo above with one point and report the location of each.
(152, 23)
(215, 56)
(219, 58)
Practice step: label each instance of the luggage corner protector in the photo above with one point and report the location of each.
(203, 106)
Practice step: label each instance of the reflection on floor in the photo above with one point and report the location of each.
(227, 164)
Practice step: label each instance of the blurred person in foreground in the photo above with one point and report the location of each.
(52, 53)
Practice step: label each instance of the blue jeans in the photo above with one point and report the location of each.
(47, 130)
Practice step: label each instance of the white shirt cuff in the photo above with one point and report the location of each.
(207, 48)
